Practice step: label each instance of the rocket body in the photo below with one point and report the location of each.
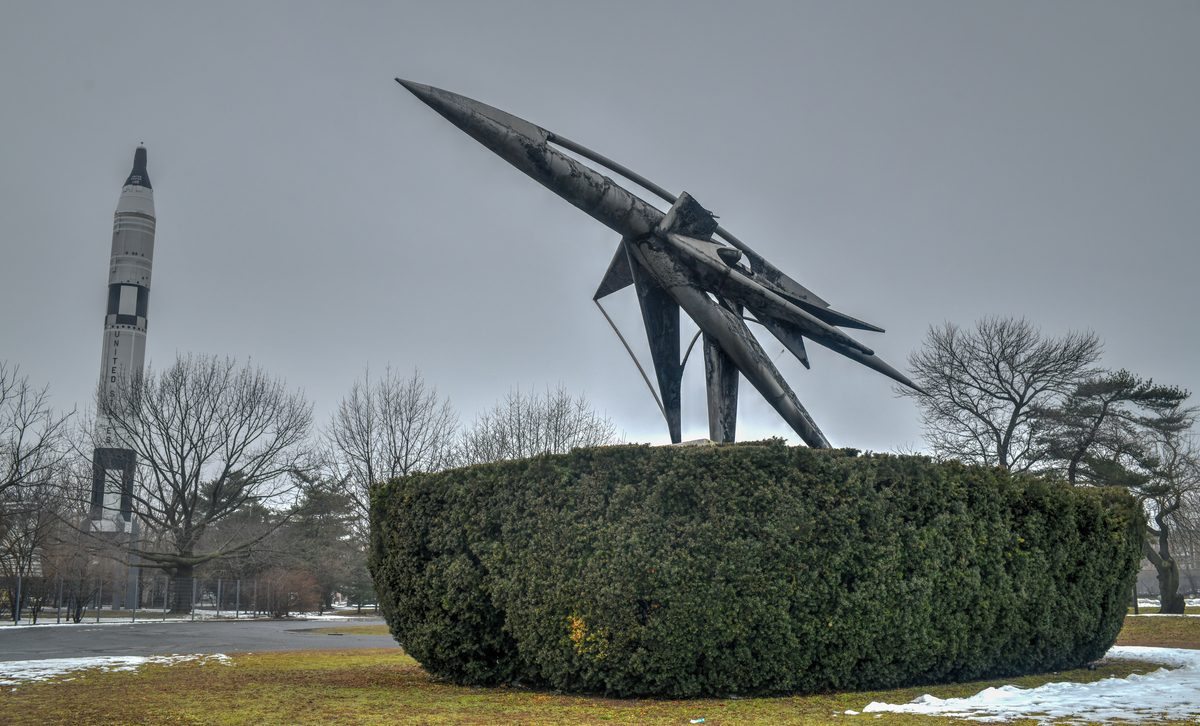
(123, 351)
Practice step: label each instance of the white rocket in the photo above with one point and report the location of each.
(123, 352)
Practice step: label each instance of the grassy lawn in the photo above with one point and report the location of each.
(387, 687)
(1164, 631)
(349, 630)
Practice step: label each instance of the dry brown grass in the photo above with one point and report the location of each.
(387, 687)
(349, 630)
(1164, 631)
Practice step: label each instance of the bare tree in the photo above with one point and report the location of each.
(28, 525)
(1185, 527)
(33, 448)
(983, 388)
(524, 425)
(211, 438)
(1165, 492)
(388, 427)
(32, 436)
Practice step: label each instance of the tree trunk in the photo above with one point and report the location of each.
(182, 577)
(1171, 601)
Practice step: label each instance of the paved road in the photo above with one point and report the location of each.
(159, 638)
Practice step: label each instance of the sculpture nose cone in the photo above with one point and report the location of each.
(473, 117)
(420, 90)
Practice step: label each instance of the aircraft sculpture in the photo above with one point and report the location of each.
(673, 262)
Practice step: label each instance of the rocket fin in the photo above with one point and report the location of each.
(686, 216)
(789, 336)
(661, 316)
(833, 317)
(871, 361)
(751, 290)
(773, 277)
(619, 275)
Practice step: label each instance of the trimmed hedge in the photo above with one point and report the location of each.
(747, 568)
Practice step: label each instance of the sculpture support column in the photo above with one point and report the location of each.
(721, 385)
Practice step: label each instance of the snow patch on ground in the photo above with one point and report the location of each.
(1144, 602)
(1163, 694)
(20, 672)
(1162, 615)
(328, 616)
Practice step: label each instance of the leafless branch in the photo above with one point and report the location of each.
(212, 438)
(388, 427)
(983, 386)
(524, 425)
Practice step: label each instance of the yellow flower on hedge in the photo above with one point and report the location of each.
(585, 641)
(578, 630)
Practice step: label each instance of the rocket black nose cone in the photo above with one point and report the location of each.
(139, 177)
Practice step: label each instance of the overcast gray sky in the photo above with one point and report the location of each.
(911, 162)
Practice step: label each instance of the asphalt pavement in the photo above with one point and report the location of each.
(36, 642)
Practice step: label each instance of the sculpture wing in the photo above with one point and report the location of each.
(660, 313)
(619, 275)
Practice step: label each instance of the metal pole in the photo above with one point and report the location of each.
(633, 357)
(17, 604)
(166, 594)
(137, 581)
(218, 597)
(99, 597)
(237, 599)
(193, 608)
(58, 602)
(256, 597)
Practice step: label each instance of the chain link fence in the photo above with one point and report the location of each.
(147, 595)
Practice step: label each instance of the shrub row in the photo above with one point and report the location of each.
(747, 568)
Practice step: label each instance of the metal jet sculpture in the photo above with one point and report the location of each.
(673, 262)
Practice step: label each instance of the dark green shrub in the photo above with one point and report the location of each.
(748, 568)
